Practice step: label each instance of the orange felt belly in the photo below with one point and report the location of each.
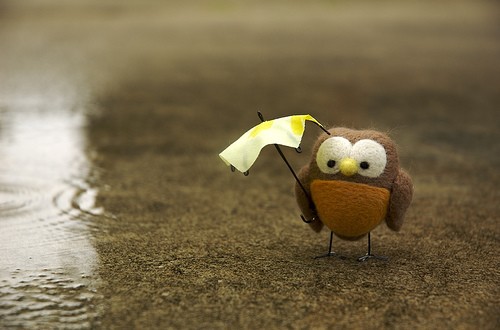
(349, 209)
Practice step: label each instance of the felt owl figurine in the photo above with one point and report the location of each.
(352, 184)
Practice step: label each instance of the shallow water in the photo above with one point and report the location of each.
(47, 262)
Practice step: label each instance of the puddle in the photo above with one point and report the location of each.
(47, 261)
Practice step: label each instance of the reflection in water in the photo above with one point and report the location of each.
(47, 273)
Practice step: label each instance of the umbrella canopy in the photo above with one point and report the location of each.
(285, 131)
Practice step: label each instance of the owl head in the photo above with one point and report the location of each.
(361, 156)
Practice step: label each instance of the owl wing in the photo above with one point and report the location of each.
(401, 195)
(303, 201)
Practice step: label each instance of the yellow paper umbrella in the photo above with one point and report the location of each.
(285, 131)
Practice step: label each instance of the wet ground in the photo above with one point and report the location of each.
(115, 211)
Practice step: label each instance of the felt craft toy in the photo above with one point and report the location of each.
(352, 183)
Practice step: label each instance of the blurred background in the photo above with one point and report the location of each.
(116, 212)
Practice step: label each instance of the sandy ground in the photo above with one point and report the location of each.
(175, 240)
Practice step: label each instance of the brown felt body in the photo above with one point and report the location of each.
(350, 210)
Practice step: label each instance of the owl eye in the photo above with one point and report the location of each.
(331, 152)
(370, 156)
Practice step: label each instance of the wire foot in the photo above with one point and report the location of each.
(330, 253)
(369, 254)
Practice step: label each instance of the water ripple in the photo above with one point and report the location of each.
(16, 198)
(77, 200)
(47, 275)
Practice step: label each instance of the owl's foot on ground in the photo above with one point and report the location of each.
(371, 256)
(330, 254)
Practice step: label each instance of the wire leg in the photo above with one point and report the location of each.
(330, 252)
(369, 254)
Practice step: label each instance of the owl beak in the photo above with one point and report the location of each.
(348, 166)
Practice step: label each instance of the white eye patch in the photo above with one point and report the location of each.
(369, 155)
(331, 152)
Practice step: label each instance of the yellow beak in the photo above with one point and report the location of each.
(348, 166)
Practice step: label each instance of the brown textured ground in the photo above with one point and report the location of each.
(183, 243)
